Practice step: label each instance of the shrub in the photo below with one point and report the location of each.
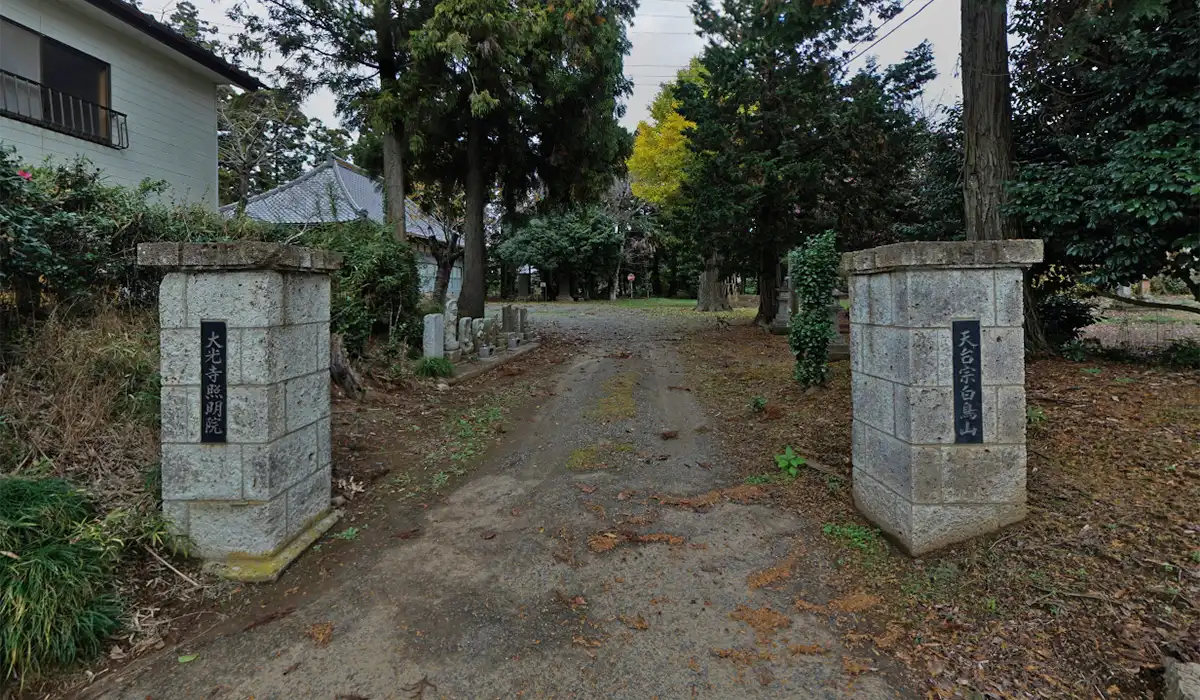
(434, 367)
(376, 291)
(814, 274)
(57, 592)
(1181, 353)
(70, 238)
(1064, 316)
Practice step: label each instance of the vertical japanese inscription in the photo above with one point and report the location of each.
(213, 382)
(968, 389)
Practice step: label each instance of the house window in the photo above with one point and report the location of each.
(48, 83)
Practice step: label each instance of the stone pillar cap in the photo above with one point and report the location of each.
(241, 255)
(1021, 252)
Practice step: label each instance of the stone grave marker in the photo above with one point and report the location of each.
(433, 343)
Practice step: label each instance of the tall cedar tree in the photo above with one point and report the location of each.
(779, 140)
(360, 50)
(524, 88)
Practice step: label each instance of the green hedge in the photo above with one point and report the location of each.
(69, 241)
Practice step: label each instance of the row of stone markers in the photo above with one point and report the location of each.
(447, 335)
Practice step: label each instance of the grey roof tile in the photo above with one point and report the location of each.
(331, 192)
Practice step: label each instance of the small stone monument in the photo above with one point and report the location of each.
(451, 339)
(523, 324)
(481, 341)
(938, 382)
(466, 338)
(244, 365)
(783, 308)
(839, 346)
(509, 318)
(433, 343)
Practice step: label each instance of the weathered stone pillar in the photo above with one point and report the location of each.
(839, 346)
(246, 458)
(783, 308)
(433, 341)
(938, 366)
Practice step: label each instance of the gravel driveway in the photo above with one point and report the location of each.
(552, 573)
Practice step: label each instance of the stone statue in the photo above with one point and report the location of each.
(452, 324)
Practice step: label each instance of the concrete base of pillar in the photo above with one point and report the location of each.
(267, 569)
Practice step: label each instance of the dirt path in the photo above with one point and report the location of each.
(504, 593)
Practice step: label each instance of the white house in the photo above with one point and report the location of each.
(336, 191)
(101, 79)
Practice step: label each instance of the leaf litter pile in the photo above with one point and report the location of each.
(1082, 599)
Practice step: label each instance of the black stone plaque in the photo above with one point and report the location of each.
(968, 389)
(213, 382)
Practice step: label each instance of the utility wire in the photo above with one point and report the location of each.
(876, 42)
(883, 24)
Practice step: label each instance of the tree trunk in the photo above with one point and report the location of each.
(711, 294)
(243, 191)
(656, 286)
(768, 288)
(474, 283)
(441, 283)
(342, 371)
(987, 118)
(393, 182)
(393, 132)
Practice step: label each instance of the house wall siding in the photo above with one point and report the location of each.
(171, 108)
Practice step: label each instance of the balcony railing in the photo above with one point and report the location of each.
(32, 102)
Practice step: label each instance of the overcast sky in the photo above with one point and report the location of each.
(664, 40)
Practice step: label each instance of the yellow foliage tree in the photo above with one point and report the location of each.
(660, 149)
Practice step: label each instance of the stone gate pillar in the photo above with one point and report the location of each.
(244, 348)
(938, 367)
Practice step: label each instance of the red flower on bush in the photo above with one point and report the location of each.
(25, 174)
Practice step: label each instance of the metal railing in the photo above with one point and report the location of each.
(32, 102)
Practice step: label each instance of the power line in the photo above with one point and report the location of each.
(876, 42)
(883, 24)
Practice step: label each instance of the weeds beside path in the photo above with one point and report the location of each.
(1080, 600)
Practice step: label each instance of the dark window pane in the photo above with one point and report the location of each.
(76, 90)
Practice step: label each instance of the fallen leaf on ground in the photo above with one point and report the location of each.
(490, 534)
(321, 633)
(806, 649)
(580, 640)
(270, 617)
(188, 658)
(670, 434)
(407, 534)
(855, 602)
(291, 668)
(806, 606)
(673, 540)
(764, 621)
(636, 623)
(586, 488)
(603, 542)
(853, 667)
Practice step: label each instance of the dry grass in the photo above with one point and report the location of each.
(82, 403)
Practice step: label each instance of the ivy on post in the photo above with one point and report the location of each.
(814, 270)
